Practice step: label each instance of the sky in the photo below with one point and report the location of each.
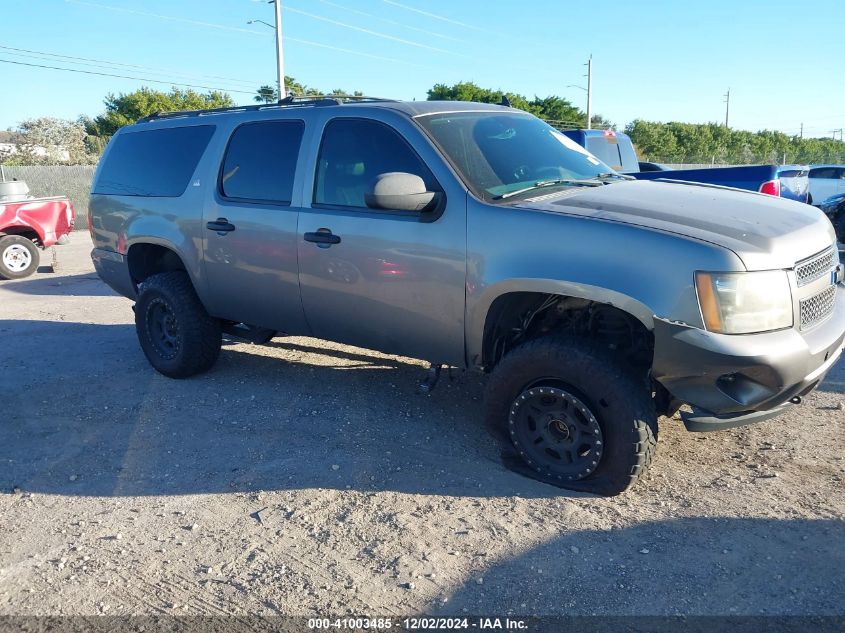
(660, 60)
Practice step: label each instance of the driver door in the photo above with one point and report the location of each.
(381, 279)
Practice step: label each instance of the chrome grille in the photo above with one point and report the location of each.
(818, 307)
(810, 269)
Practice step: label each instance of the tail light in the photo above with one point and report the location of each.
(771, 187)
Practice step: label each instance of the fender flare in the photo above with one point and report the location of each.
(477, 315)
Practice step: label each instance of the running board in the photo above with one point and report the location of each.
(257, 335)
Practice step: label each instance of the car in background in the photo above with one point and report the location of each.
(834, 209)
(826, 181)
(28, 224)
(617, 150)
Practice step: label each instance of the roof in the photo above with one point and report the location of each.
(411, 108)
(416, 108)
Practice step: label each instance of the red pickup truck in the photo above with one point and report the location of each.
(28, 224)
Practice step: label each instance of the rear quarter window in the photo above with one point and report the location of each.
(606, 149)
(153, 163)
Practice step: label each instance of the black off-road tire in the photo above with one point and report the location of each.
(9, 241)
(619, 401)
(178, 336)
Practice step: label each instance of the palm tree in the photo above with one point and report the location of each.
(266, 94)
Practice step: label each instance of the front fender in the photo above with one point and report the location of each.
(644, 272)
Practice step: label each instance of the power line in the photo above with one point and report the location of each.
(438, 17)
(225, 27)
(222, 27)
(371, 32)
(91, 72)
(393, 22)
(88, 61)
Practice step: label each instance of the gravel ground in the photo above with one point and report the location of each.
(304, 477)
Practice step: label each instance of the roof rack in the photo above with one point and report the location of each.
(293, 100)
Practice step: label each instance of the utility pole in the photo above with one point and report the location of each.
(280, 61)
(727, 105)
(590, 92)
(802, 131)
(833, 134)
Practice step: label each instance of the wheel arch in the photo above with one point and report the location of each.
(24, 230)
(513, 293)
(147, 258)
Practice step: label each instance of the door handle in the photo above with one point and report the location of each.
(323, 238)
(221, 226)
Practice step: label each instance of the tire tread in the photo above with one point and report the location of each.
(596, 365)
(203, 338)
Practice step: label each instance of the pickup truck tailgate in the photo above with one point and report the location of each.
(794, 183)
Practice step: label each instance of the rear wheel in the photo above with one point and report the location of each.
(19, 257)
(178, 336)
(576, 416)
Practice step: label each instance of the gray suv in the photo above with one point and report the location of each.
(473, 236)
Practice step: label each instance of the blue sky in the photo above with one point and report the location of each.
(653, 59)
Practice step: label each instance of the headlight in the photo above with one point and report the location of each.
(743, 303)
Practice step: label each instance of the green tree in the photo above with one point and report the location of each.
(675, 142)
(125, 109)
(266, 94)
(556, 110)
(269, 94)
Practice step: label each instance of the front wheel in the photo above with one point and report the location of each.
(178, 336)
(19, 257)
(576, 416)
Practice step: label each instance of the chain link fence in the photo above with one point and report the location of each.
(73, 181)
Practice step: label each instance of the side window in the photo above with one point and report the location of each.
(155, 163)
(353, 153)
(261, 160)
(822, 172)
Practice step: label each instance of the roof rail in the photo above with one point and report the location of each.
(293, 100)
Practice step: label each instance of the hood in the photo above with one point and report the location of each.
(765, 232)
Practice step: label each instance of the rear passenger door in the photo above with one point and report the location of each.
(386, 280)
(250, 228)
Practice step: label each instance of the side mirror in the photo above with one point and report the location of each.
(400, 191)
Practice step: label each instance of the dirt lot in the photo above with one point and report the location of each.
(309, 478)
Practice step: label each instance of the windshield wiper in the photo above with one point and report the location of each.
(613, 174)
(549, 183)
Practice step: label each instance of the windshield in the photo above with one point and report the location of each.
(504, 154)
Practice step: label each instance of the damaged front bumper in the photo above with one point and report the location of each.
(732, 380)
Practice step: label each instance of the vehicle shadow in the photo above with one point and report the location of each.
(691, 566)
(45, 283)
(93, 418)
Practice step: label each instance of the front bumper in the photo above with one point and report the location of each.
(732, 380)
